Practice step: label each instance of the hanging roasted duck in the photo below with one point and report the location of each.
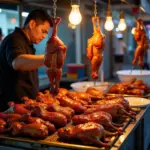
(95, 47)
(55, 55)
(142, 43)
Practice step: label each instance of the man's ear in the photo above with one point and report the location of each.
(32, 24)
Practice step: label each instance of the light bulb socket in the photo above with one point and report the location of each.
(108, 13)
(122, 14)
(75, 2)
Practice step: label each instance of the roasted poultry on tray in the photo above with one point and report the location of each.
(89, 117)
(95, 47)
(88, 133)
(142, 43)
(133, 87)
(55, 55)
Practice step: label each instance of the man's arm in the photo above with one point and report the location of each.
(27, 62)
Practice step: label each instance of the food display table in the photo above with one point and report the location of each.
(135, 137)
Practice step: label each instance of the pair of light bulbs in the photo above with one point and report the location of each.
(109, 25)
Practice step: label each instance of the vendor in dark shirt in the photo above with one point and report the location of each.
(18, 62)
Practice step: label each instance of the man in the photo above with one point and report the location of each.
(120, 50)
(18, 62)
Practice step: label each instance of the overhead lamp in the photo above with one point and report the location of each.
(133, 30)
(75, 15)
(109, 25)
(25, 14)
(122, 25)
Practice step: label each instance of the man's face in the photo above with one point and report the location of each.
(39, 31)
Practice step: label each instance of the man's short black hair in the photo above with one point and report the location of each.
(40, 16)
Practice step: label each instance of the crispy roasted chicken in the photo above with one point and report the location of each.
(88, 133)
(55, 55)
(142, 43)
(95, 47)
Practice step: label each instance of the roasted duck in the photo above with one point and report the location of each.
(80, 96)
(136, 87)
(100, 117)
(95, 47)
(88, 133)
(115, 110)
(94, 93)
(67, 111)
(35, 130)
(142, 43)
(68, 102)
(55, 55)
(56, 118)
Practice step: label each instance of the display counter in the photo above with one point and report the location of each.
(135, 137)
(137, 134)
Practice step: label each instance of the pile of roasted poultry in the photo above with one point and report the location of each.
(133, 87)
(87, 116)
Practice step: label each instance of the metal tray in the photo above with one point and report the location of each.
(53, 141)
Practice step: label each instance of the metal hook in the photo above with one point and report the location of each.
(95, 8)
(54, 8)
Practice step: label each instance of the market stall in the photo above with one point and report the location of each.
(93, 119)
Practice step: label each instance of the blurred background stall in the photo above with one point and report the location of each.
(75, 37)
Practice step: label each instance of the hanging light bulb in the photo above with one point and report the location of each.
(133, 30)
(122, 25)
(75, 16)
(109, 25)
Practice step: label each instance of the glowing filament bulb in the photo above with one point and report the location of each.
(122, 25)
(133, 30)
(109, 25)
(75, 16)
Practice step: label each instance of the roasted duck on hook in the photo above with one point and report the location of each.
(55, 55)
(95, 47)
(142, 43)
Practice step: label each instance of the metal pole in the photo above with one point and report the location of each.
(20, 9)
(78, 44)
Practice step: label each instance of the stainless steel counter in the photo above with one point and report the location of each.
(133, 137)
